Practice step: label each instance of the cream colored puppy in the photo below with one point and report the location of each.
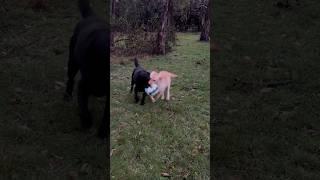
(163, 80)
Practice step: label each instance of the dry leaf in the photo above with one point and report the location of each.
(266, 90)
(59, 83)
(112, 150)
(85, 168)
(165, 174)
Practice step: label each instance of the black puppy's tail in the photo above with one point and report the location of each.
(136, 62)
(85, 8)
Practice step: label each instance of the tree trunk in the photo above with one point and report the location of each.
(113, 9)
(205, 24)
(160, 47)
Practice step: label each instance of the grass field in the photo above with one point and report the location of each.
(164, 137)
(266, 97)
(39, 132)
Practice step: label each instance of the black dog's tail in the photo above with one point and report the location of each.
(136, 62)
(85, 8)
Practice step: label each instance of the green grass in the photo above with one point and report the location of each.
(262, 132)
(39, 132)
(163, 137)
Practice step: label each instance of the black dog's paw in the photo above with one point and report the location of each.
(86, 120)
(67, 97)
(137, 100)
(142, 103)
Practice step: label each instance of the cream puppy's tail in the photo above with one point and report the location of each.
(173, 75)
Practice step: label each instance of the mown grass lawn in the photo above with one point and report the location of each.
(163, 137)
(266, 84)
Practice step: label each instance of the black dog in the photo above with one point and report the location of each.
(89, 52)
(140, 78)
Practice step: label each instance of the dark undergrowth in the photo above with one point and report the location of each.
(266, 98)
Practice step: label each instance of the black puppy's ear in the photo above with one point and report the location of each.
(134, 59)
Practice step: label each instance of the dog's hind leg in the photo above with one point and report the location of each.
(132, 82)
(168, 93)
(73, 69)
(83, 96)
(162, 94)
(143, 98)
(136, 95)
(152, 99)
(157, 97)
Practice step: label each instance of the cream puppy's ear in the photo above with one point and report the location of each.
(154, 75)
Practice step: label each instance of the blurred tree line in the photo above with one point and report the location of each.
(149, 26)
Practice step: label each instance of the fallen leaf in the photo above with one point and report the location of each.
(201, 149)
(165, 174)
(85, 168)
(231, 111)
(59, 83)
(57, 157)
(112, 150)
(266, 90)
(195, 151)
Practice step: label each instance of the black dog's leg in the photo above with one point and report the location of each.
(83, 96)
(136, 95)
(103, 129)
(73, 68)
(143, 98)
(132, 82)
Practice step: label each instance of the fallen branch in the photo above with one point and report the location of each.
(123, 39)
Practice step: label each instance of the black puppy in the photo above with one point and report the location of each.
(140, 79)
(89, 53)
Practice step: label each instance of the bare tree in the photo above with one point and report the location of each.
(205, 20)
(113, 9)
(160, 47)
